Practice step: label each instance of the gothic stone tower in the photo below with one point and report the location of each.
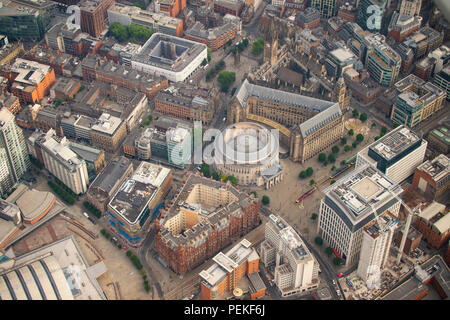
(340, 94)
(271, 44)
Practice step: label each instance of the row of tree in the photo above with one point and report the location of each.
(211, 73)
(61, 193)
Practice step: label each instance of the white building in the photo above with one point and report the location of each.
(397, 154)
(170, 57)
(296, 270)
(13, 152)
(376, 243)
(350, 204)
(62, 162)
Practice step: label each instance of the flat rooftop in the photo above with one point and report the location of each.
(107, 124)
(112, 173)
(225, 263)
(361, 192)
(58, 271)
(394, 143)
(168, 52)
(135, 193)
(438, 168)
(442, 133)
(29, 72)
(290, 238)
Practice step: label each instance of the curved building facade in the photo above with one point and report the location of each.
(249, 152)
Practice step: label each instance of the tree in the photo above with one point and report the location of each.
(359, 137)
(302, 175)
(318, 240)
(258, 46)
(215, 176)
(223, 177)
(376, 138)
(363, 117)
(311, 182)
(322, 157)
(314, 216)
(355, 113)
(337, 261)
(343, 140)
(351, 132)
(226, 78)
(233, 91)
(328, 250)
(254, 193)
(205, 170)
(335, 149)
(309, 171)
(331, 158)
(232, 179)
(265, 200)
(354, 145)
(332, 181)
(374, 124)
(347, 148)
(204, 62)
(208, 54)
(383, 130)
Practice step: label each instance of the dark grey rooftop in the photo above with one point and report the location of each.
(113, 172)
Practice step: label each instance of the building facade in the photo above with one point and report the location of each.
(228, 269)
(296, 269)
(433, 177)
(94, 15)
(137, 199)
(205, 216)
(350, 204)
(13, 152)
(417, 101)
(397, 154)
(61, 161)
(314, 124)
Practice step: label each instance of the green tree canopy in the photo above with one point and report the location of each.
(359, 137)
(355, 113)
(347, 148)
(314, 216)
(363, 117)
(351, 132)
(318, 240)
(311, 182)
(302, 174)
(215, 176)
(328, 250)
(343, 140)
(226, 78)
(309, 171)
(322, 157)
(331, 158)
(335, 149)
(258, 46)
(265, 200)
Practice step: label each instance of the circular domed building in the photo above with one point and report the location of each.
(249, 152)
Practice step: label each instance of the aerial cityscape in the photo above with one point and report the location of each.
(232, 150)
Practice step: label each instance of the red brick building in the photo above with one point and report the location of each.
(213, 38)
(93, 16)
(219, 280)
(432, 177)
(172, 7)
(184, 242)
(233, 7)
(434, 223)
(101, 70)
